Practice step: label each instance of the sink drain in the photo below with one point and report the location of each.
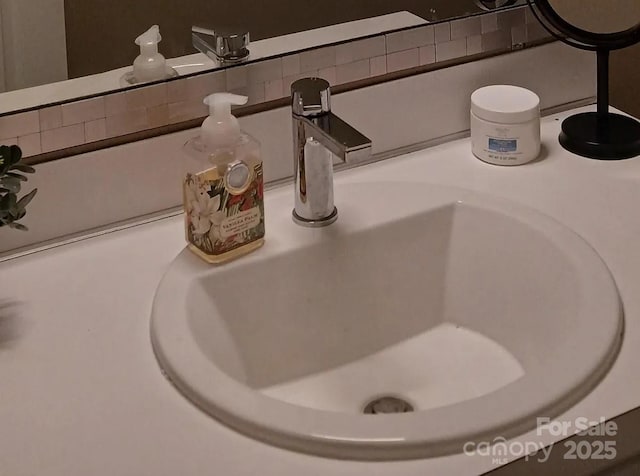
(387, 404)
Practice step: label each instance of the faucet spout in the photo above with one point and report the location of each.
(318, 135)
(340, 138)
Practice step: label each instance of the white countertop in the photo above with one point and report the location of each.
(82, 394)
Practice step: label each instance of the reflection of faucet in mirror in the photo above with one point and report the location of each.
(317, 135)
(225, 45)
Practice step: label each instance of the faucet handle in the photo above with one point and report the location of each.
(310, 97)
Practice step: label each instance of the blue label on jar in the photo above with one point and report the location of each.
(503, 145)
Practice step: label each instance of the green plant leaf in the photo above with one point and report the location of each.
(5, 153)
(15, 153)
(13, 204)
(8, 202)
(24, 201)
(20, 177)
(18, 226)
(12, 209)
(10, 155)
(10, 183)
(27, 169)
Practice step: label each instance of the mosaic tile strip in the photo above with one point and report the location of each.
(80, 122)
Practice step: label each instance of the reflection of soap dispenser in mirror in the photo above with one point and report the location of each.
(149, 65)
(223, 186)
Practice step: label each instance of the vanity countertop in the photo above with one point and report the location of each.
(81, 392)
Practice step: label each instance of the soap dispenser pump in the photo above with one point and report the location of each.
(149, 65)
(223, 186)
(221, 129)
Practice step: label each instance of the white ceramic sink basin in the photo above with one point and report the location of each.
(480, 313)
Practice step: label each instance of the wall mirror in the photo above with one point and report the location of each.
(82, 48)
(601, 26)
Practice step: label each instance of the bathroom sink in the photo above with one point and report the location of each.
(425, 317)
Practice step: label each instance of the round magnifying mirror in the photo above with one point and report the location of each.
(599, 16)
(600, 26)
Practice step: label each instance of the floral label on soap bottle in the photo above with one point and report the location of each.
(217, 220)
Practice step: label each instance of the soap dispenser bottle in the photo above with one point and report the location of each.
(149, 65)
(223, 186)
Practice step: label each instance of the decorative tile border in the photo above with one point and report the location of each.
(81, 122)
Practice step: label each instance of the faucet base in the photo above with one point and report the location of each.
(315, 223)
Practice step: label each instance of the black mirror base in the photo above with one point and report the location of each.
(604, 137)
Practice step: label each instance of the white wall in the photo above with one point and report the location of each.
(33, 42)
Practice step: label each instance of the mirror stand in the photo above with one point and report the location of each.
(601, 135)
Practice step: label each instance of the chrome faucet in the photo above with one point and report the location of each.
(318, 134)
(224, 45)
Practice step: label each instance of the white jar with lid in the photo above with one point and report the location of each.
(505, 125)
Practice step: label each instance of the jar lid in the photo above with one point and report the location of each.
(505, 104)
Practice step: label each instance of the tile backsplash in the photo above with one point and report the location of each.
(84, 121)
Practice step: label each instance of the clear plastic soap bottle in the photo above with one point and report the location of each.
(149, 65)
(223, 186)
